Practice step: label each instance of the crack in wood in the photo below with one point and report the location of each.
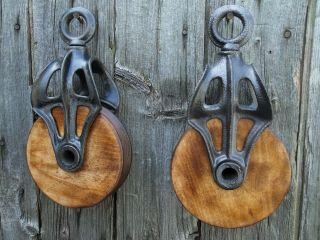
(28, 227)
(173, 114)
(132, 79)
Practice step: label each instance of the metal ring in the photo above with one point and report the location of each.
(234, 43)
(86, 35)
(69, 157)
(229, 175)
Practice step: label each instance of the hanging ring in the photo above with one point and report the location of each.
(238, 41)
(88, 33)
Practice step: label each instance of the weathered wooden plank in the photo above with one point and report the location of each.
(58, 222)
(18, 203)
(309, 227)
(162, 41)
(161, 48)
(276, 49)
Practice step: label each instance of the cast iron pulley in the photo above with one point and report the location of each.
(76, 120)
(226, 165)
(77, 70)
(229, 164)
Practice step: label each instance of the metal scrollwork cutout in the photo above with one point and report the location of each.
(69, 148)
(230, 165)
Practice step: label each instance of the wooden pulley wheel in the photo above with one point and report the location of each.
(106, 162)
(229, 169)
(266, 184)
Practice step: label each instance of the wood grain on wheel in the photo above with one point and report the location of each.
(267, 181)
(106, 163)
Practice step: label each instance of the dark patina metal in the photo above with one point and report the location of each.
(230, 165)
(69, 148)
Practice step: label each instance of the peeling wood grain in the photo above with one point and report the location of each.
(174, 114)
(132, 78)
(18, 207)
(308, 218)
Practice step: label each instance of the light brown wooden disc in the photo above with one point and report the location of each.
(267, 181)
(106, 163)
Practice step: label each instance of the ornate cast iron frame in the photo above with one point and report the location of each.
(230, 165)
(69, 148)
